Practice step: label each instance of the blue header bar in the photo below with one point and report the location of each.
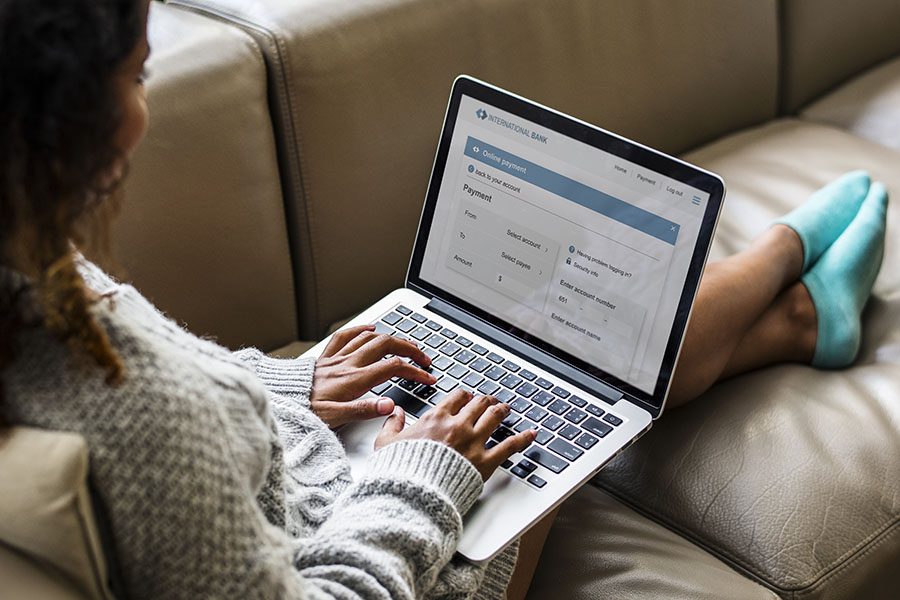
(588, 197)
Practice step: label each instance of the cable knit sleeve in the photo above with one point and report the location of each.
(288, 377)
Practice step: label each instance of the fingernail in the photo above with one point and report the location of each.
(385, 406)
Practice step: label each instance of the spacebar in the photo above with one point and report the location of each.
(406, 401)
(545, 459)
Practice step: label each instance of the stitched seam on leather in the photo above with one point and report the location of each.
(837, 564)
(295, 162)
(883, 537)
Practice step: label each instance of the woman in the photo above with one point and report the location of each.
(218, 472)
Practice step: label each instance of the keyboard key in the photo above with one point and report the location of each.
(553, 423)
(510, 366)
(434, 325)
(507, 464)
(511, 419)
(479, 365)
(392, 318)
(442, 363)
(501, 433)
(525, 425)
(520, 405)
(490, 444)
(559, 407)
(448, 333)
(562, 393)
(536, 413)
(612, 419)
(527, 375)
(403, 310)
(586, 441)
(472, 379)
(541, 382)
(527, 465)
(425, 392)
(465, 357)
(543, 436)
(463, 341)
(379, 389)
(495, 373)
(596, 426)
(578, 401)
(526, 390)
(576, 415)
(570, 432)
(408, 385)
(446, 384)
(477, 349)
(450, 348)
(494, 357)
(458, 371)
(383, 328)
(488, 387)
(594, 410)
(536, 481)
(407, 401)
(434, 340)
(543, 398)
(418, 318)
(546, 459)
(565, 449)
(406, 326)
(421, 333)
(519, 472)
(504, 396)
(511, 381)
(430, 353)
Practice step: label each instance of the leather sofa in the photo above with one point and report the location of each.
(279, 190)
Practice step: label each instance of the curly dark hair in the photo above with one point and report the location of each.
(59, 115)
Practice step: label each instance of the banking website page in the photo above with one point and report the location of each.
(574, 245)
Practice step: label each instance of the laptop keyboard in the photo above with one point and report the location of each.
(567, 425)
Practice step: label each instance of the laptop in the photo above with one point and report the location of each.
(555, 267)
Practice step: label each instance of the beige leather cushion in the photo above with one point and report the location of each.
(868, 106)
(790, 474)
(362, 86)
(49, 545)
(599, 548)
(826, 42)
(202, 231)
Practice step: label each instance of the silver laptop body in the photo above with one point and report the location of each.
(555, 267)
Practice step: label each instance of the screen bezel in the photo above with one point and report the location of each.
(604, 141)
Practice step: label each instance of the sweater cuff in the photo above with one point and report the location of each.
(287, 377)
(432, 464)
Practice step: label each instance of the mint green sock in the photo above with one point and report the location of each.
(841, 280)
(822, 218)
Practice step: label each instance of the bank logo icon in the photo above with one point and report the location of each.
(481, 114)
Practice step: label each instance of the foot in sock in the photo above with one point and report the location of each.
(821, 219)
(840, 282)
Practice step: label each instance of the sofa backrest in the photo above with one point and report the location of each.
(359, 89)
(202, 231)
(826, 42)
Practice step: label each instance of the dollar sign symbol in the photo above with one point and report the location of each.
(499, 277)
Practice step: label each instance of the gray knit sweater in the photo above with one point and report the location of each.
(220, 482)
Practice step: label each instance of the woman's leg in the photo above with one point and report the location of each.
(749, 312)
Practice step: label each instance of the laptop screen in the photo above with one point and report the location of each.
(576, 246)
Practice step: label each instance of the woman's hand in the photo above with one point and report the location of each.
(464, 424)
(352, 364)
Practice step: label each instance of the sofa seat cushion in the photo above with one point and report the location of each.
(49, 542)
(600, 548)
(869, 105)
(789, 474)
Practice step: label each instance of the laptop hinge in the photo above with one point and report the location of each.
(527, 351)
